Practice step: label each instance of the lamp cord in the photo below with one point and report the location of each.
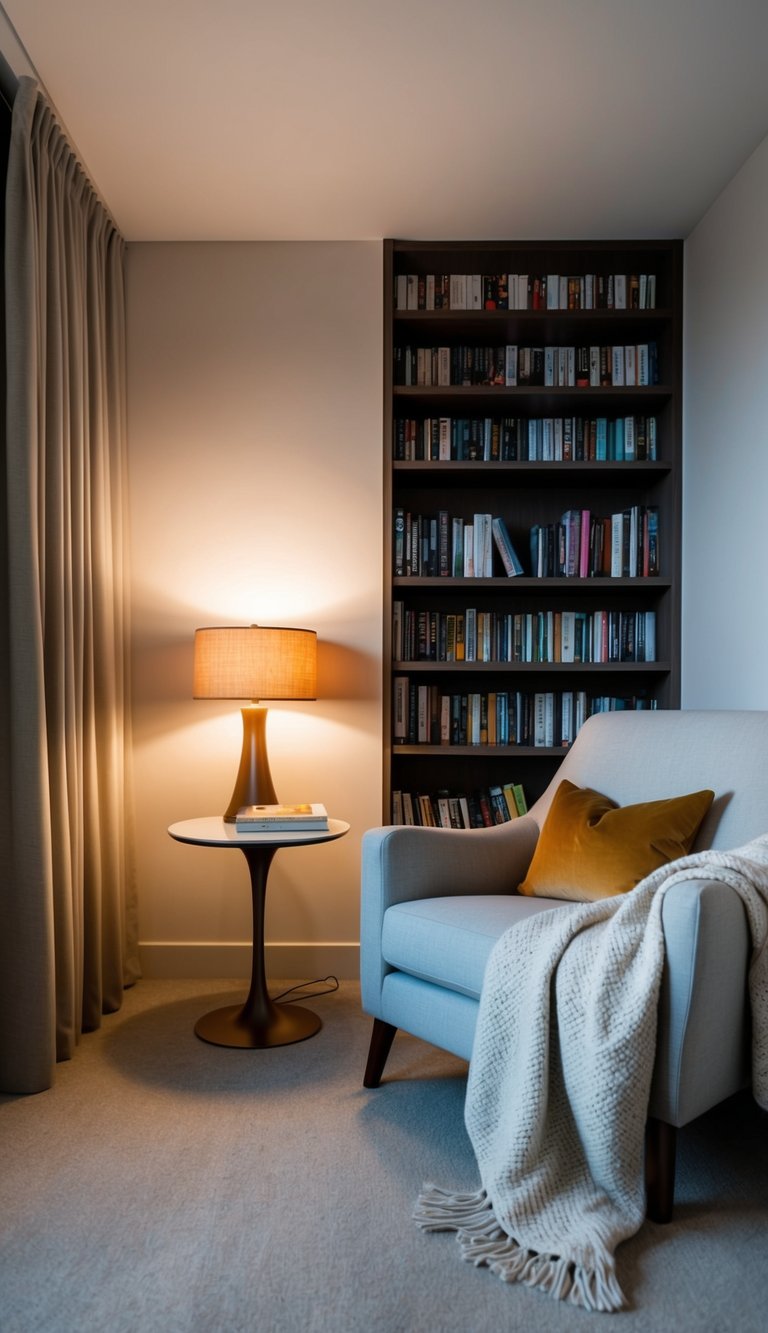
(310, 995)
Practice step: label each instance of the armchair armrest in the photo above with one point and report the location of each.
(703, 1033)
(405, 862)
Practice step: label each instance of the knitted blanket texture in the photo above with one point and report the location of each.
(560, 1078)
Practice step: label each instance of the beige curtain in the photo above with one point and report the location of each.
(67, 906)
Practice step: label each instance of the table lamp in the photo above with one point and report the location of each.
(254, 662)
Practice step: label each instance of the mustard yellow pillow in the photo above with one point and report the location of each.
(591, 848)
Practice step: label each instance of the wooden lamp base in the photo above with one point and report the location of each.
(253, 785)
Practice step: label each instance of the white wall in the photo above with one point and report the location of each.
(725, 498)
(254, 417)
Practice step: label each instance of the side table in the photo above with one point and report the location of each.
(259, 1022)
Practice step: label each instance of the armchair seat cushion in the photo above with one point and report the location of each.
(447, 941)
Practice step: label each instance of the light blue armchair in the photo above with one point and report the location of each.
(434, 902)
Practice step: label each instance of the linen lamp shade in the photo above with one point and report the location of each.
(255, 662)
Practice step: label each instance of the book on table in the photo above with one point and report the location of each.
(301, 818)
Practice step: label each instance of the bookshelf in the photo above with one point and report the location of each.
(561, 418)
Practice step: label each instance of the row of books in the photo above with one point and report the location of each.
(425, 714)
(525, 291)
(477, 809)
(582, 545)
(511, 366)
(578, 545)
(474, 635)
(451, 546)
(625, 439)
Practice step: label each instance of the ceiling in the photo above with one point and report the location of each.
(354, 119)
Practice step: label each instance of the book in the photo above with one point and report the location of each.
(281, 818)
(509, 558)
(498, 805)
(400, 708)
(509, 796)
(519, 796)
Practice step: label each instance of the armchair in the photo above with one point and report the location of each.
(435, 901)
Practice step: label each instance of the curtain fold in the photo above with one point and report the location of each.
(67, 901)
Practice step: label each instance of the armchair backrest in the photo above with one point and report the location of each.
(646, 756)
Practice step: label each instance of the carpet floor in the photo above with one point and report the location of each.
(166, 1184)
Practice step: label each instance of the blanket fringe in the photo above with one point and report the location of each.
(439, 1210)
(484, 1242)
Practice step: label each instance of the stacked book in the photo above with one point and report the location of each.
(282, 819)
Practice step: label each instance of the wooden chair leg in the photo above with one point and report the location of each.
(660, 1144)
(381, 1043)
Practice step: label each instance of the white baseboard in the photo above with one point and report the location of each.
(289, 962)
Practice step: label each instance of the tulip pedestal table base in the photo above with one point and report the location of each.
(259, 1022)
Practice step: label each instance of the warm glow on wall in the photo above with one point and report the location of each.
(255, 413)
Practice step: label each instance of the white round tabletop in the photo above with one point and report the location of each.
(212, 831)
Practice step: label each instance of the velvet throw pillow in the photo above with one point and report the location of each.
(591, 848)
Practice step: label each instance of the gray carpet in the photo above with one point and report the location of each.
(165, 1184)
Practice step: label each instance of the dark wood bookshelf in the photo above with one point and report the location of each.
(526, 493)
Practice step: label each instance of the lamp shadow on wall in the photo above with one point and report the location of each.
(346, 673)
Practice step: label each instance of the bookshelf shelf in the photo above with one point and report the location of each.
(532, 393)
(480, 751)
(502, 318)
(529, 486)
(569, 669)
(537, 471)
(541, 586)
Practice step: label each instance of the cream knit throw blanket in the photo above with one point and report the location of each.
(560, 1078)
